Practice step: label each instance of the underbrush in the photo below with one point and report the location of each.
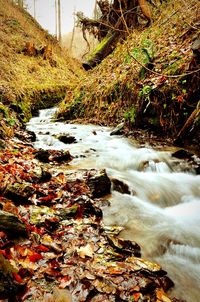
(151, 80)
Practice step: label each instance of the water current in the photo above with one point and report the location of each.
(162, 214)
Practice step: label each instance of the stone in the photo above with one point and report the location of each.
(118, 130)
(43, 155)
(67, 139)
(120, 186)
(11, 224)
(182, 154)
(19, 193)
(99, 183)
(61, 156)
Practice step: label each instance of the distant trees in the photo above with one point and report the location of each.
(19, 2)
(58, 19)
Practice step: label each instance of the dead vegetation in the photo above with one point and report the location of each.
(151, 80)
(33, 67)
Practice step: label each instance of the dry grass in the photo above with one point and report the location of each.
(23, 79)
(19, 72)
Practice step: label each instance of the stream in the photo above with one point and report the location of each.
(162, 214)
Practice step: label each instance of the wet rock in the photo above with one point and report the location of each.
(25, 136)
(47, 156)
(191, 161)
(89, 209)
(165, 282)
(182, 154)
(39, 175)
(126, 247)
(98, 182)
(60, 156)
(120, 186)
(118, 130)
(67, 139)
(45, 176)
(11, 224)
(31, 136)
(43, 155)
(19, 193)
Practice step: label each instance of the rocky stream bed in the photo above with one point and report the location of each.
(56, 240)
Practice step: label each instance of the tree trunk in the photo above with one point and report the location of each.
(34, 12)
(103, 50)
(56, 18)
(21, 3)
(115, 23)
(59, 21)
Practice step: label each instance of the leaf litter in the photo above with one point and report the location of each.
(67, 254)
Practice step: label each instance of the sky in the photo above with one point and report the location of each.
(45, 12)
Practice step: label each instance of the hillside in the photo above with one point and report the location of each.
(33, 68)
(151, 80)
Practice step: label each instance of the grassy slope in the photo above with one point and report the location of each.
(25, 79)
(121, 88)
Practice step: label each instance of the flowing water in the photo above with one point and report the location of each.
(162, 214)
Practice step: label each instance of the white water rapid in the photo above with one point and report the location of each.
(163, 213)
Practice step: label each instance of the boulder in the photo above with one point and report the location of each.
(43, 155)
(11, 224)
(99, 183)
(182, 154)
(120, 186)
(19, 193)
(47, 156)
(67, 139)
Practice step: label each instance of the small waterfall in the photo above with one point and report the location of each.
(162, 212)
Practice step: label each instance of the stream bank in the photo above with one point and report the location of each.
(163, 192)
(65, 249)
(53, 244)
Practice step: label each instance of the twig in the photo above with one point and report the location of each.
(122, 16)
(174, 13)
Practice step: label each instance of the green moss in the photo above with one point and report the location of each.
(99, 47)
(4, 112)
(130, 116)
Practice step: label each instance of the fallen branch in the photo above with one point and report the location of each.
(191, 119)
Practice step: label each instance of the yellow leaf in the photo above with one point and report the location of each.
(87, 250)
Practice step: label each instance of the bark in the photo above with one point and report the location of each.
(102, 50)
